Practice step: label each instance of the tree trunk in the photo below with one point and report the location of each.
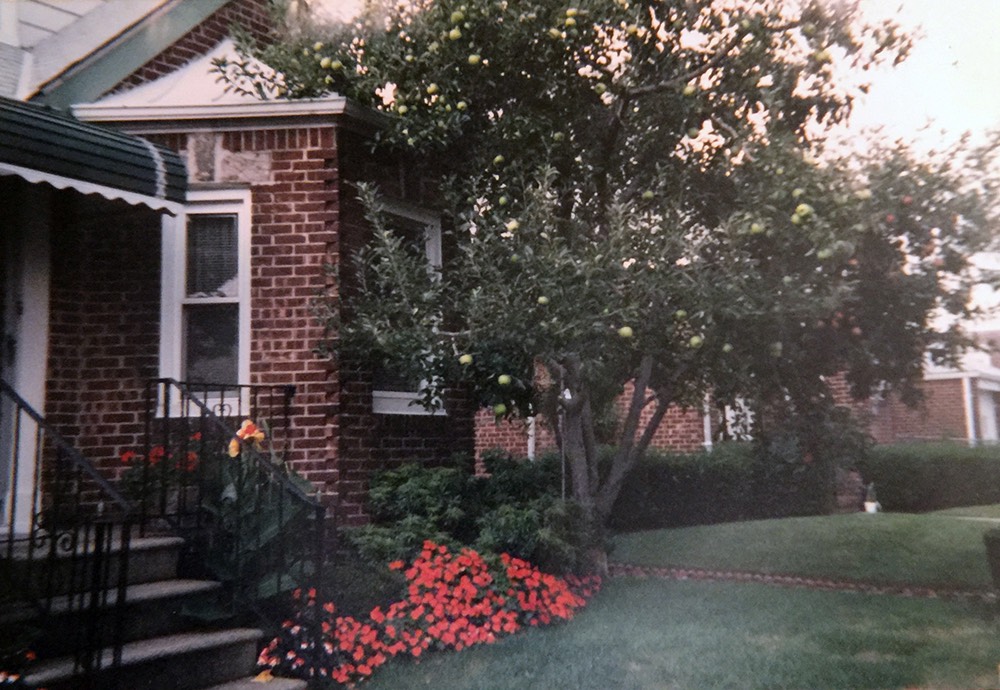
(581, 455)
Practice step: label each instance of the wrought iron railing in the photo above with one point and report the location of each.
(249, 520)
(64, 543)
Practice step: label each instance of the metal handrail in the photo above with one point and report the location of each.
(72, 551)
(207, 413)
(74, 455)
(206, 500)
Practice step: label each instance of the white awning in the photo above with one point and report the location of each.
(110, 193)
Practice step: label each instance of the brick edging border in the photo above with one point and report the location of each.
(822, 584)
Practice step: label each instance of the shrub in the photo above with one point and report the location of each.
(514, 509)
(677, 489)
(933, 476)
(735, 481)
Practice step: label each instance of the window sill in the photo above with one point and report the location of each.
(402, 403)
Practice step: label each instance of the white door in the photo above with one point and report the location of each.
(24, 345)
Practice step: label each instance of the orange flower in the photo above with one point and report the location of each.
(250, 432)
(234, 448)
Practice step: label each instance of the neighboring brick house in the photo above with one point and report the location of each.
(682, 429)
(959, 404)
(223, 290)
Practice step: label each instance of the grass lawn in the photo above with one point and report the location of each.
(937, 549)
(654, 634)
(640, 634)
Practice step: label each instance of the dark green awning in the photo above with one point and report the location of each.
(44, 145)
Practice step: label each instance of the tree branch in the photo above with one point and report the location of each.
(682, 79)
(714, 61)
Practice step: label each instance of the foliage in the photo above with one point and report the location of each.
(167, 468)
(918, 477)
(14, 661)
(244, 512)
(800, 455)
(735, 481)
(452, 601)
(790, 468)
(514, 508)
(641, 192)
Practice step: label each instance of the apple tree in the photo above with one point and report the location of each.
(641, 191)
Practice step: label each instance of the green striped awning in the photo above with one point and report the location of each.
(43, 145)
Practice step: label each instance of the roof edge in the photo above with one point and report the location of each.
(107, 66)
(174, 117)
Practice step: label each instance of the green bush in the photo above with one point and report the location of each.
(735, 481)
(933, 476)
(514, 508)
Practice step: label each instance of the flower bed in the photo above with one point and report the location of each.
(452, 601)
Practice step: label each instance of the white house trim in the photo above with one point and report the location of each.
(31, 337)
(969, 407)
(235, 201)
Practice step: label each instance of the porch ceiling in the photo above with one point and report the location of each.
(43, 145)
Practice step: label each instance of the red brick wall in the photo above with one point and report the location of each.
(294, 236)
(105, 315)
(681, 430)
(509, 435)
(252, 15)
(941, 415)
(367, 441)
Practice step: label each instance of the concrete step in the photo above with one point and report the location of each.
(152, 609)
(249, 683)
(187, 661)
(54, 571)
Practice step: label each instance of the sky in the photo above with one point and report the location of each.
(949, 84)
(952, 77)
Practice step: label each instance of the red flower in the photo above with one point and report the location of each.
(191, 462)
(156, 454)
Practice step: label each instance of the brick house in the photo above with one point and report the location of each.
(960, 404)
(218, 287)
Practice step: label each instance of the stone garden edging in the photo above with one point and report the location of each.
(822, 584)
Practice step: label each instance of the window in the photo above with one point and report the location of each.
(393, 393)
(205, 317)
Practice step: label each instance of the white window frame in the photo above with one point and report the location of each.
(409, 402)
(173, 297)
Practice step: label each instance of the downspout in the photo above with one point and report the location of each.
(706, 422)
(531, 437)
(969, 404)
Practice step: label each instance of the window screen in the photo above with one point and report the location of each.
(212, 256)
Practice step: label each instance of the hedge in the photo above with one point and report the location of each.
(933, 476)
(730, 483)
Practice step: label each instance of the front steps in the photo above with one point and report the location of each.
(162, 650)
(185, 661)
